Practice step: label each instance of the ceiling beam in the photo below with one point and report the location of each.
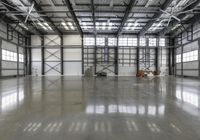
(127, 12)
(155, 17)
(46, 18)
(180, 16)
(69, 6)
(189, 22)
(20, 17)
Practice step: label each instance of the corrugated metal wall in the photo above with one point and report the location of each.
(10, 67)
(72, 61)
(185, 44)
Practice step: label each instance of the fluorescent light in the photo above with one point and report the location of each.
(71, 25)
(128, 26)
(66, 27)
(110, 25)
(157, 25)
(104, 26)
(63, 23)
(45, 28)
(47, 25)
(175, 27)
(97, 25)
(22, 25)
(85, 26)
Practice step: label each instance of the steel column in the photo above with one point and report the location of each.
(17, 60)
(116, 58)
(0, 58)
(157, 59)
(29, 56)
(43, 57)
(173, 61)
(181, 54)
(61, 56)
(95, 55)
(138, 57)
(82, 53)
(199, 56)
(169, 61)
(157, 56)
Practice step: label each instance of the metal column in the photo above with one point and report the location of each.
(116, 58)
(157, 49)
(17, 60)
(82, 53)
(199, 56)
(171, 55)
(170, 61)
(157, 59)
(95, 55)
(43, 57)
(29, 52)
(137, 58)
(181, 54)
(61, 56)
(0, 57)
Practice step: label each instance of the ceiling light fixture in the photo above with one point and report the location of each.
(104, 26)
(110, 26)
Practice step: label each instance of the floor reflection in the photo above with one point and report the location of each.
(188, 97)
(10, 99)
(99, 108)
(151, 110)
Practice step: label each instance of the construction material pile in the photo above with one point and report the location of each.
(147, 73)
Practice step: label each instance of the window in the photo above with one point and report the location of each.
(143, 42)
(10, 56)
(162, 42)
(123, 42)
(190, 56)
(178, 58)
(152, 41)
(101, 41)
(112, 41)
(21, 58)
(132, 41)
(89, 41)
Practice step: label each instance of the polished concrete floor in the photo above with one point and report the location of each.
(76, 108)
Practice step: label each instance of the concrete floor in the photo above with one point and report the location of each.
(123, 108)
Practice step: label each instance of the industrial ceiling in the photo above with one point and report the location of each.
(138, 17)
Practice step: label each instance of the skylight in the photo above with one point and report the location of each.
(45, 26)
(71, 25)
(104, 26)
(65, 26)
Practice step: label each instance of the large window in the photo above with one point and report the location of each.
(9, 55)
(190, 56)
(143, 42)
(132, 41)
(152, 41)
(128, 41)
(101, 41)
(89, 41)
(123, 42)
(162, 42)
(21, 58)
(178, 58)
(112, 41)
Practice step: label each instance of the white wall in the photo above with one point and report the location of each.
(189, 68)
(71, 53)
